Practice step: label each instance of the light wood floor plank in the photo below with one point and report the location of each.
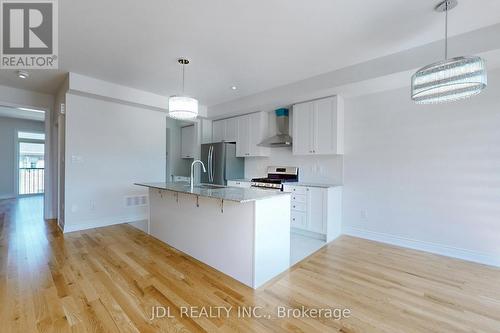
(109, 279)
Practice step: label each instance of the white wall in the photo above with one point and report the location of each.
(8, 141)
(109, 146)
(367, 77)
(313, 169)
(426, 177)
(94, 87)
(179, 166)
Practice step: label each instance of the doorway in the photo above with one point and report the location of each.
(31, 163)
(31, 173)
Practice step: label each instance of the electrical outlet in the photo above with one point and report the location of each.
(363, 214)
(92, 205)
(74, 208)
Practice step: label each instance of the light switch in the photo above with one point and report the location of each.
(76, 159)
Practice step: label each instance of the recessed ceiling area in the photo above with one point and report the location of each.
(18, 113)
(253, 45)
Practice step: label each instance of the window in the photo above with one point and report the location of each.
(31, 163)
(31, 136)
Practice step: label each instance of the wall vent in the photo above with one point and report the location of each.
(136, 201)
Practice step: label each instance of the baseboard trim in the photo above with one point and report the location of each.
(309, 234)
(91, 224)
(444, 250)
(141, 225)
(7, 196)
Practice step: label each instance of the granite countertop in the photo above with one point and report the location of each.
(241, 180)
(235, 194)
(314, 184)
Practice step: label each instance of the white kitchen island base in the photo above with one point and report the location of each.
(249, 241)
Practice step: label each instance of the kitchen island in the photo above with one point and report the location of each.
(242, 232)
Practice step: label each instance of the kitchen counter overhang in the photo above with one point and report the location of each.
(235, 194)
(244, 233)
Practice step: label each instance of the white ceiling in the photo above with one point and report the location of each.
(21, 114)
(256, 45)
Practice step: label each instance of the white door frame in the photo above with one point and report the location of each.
(49, 167)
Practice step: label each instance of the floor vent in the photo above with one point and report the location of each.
(135, 201)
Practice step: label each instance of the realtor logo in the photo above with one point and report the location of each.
(29, 36)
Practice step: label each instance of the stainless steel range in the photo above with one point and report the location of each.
(276, 176)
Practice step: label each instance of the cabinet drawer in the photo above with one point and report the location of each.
(234, 183)
(301, 207)
(299, 220)
(296, 189)
(298, 198)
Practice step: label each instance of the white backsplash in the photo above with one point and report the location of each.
(312, 169)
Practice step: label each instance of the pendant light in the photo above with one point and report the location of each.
(182, 107)
(450, 79)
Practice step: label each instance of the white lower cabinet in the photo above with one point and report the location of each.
(239, 183)
(316, 210)
(299, 220)
(316, 206)
(299, 206)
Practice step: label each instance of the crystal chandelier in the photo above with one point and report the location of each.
(450, 79)
(182, 107)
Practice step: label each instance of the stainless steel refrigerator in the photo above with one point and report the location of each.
(221, 163)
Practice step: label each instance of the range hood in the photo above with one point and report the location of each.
(282, 138)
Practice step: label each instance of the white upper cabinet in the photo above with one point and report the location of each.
(243, 139)
(231, 130)
(252, 130)
(225, 130)
(318, 127)
(247, 131)
(302, 128)
(218, 130)
(187, 141)
(259, 125)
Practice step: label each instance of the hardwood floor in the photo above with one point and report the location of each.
(108, 280)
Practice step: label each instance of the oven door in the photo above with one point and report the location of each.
(267, 186)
